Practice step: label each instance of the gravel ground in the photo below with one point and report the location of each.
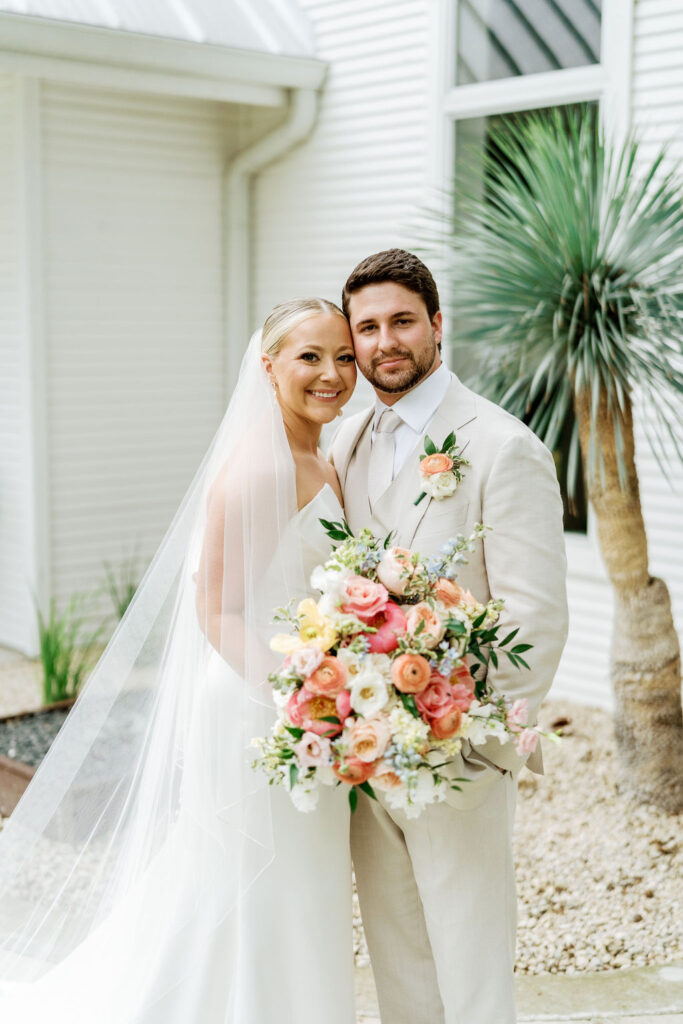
(600, 880)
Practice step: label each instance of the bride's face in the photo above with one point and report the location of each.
(315, 369)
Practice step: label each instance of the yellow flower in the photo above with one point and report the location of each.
(315, 630)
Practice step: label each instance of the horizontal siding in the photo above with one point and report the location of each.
(133, 208)
(352, 188)
(15, 597)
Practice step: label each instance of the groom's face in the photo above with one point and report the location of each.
(396, 343)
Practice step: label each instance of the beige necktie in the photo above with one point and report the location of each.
(381, 463)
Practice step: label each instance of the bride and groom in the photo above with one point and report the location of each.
(227, 904)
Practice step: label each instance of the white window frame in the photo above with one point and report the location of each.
(607, 83)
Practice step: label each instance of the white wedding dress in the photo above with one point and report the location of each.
(284, 956)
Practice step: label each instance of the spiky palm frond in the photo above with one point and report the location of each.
(567, 271)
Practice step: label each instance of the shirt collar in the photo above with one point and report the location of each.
(419, 405)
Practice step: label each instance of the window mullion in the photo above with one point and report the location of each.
(526, 92)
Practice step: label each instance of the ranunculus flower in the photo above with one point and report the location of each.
(305, 660)
(453, 595)
(395, 569)
(462, 696)
(307, 711)
(526, 742)
(435, 697)
(518, 715)
(390, 623)
(329, 678)
(369, 738)
(440, 485)
(461, 675)
(363, 598)
(437, 463)
(385, 777)
(368, 692)
(447, 723)
(434, 628)
(313, 750)
(353, 771)
(410, 673)
(343, 703)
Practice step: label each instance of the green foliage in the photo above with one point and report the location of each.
(121, 586)
(567, 267)
(68, 648)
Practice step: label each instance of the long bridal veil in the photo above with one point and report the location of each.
(149, 781)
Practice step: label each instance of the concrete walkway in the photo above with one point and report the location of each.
(647, 995)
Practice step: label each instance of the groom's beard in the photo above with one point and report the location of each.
(393, 382)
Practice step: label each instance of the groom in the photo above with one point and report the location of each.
(437, 893)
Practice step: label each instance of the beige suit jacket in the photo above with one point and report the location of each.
(511, 486)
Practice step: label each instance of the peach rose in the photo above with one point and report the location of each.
(437, 463)
(395, 569)
(369, 738)
(453, 595)
(434, 628)
(461, 675)
(353, 771)
(308, 711)
(435, 697)
(526, 742)
(410, 673)
(385, 777)
(462, 696)
(363, 598)
(389, 623)
(445, 725)
(329, 678)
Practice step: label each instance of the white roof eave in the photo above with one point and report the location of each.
(82, 53)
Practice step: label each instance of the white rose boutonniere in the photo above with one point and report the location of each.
(440, 468)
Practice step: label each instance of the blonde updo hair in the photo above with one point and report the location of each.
(288, 315)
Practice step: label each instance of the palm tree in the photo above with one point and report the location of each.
(567, 265)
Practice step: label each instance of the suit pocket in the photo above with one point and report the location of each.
(440, 524)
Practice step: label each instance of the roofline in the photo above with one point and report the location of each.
(69, 50)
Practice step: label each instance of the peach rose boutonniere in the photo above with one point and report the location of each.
(440, 469)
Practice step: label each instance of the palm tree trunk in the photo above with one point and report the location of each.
(645, 652)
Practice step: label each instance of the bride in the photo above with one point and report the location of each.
(149, 875)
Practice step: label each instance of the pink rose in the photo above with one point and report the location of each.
(437, 463)
(433, 629)
(369, 739)
(305, 661)
(343, 702)
(435, 698)
(313, 750)
(518, 715)
(329, 678)
(390, 622)
(526, 742)
(462, 696)
(308, 711)
(363, 598)
(395, 569)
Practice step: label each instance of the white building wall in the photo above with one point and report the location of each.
(15, 598)
(657, 119)
(353, 187)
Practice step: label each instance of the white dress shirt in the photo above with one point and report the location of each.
(416, 410)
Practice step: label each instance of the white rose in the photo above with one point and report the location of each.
(440, 485)
(368, 693)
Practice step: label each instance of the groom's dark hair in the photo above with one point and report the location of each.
(395, 265)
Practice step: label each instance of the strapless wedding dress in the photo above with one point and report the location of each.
(284, 957)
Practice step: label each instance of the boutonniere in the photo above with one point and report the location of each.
(440, 468)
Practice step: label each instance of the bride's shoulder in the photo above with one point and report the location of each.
(241, 476)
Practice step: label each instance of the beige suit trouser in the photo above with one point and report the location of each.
(438, 901)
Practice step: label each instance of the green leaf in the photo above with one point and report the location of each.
(419, 498)
(430, 447)
(409, 704)
(367, 788)
(293, 775)
(520, 648)
(295, 731)
(353, 799)
(330, 718)
(509, 637)
(449, 442)
(494, 658)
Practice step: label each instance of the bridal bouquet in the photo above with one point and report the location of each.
(380, 683)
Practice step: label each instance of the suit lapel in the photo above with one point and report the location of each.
(342, 462)
(397, 505)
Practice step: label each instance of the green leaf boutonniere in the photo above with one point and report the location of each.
(441, 468)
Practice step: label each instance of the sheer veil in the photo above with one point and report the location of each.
(149, 780)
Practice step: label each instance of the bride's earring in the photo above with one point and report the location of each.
(340, 412)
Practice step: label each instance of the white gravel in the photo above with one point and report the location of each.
(600, 880)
